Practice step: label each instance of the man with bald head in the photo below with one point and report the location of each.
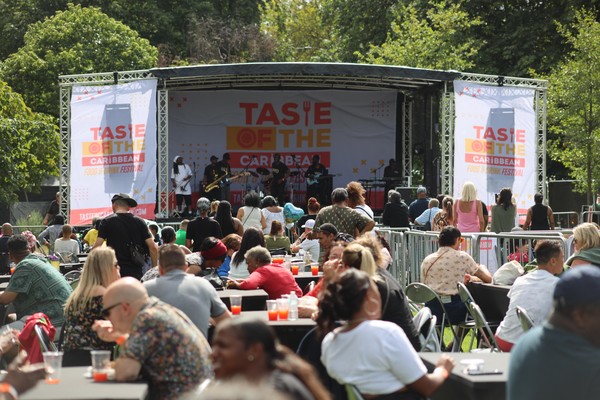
(7, 232)
(174, 354)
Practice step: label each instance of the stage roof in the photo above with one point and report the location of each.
(298, 75)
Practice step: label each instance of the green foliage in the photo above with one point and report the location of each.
(439, 40)
(31, 223)
(299, 30)
(28, 146)
(574, 103)
(78, 40)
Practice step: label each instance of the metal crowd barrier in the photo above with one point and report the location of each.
(566, 219)
(590, 216)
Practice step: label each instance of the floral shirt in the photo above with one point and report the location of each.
(78, 333)
(444, 268)
(174, 354)
(343, 218)
(440, 221)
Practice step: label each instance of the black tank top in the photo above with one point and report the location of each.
(539, 218)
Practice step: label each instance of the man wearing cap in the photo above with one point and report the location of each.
(181, 177)
(225, 171)
(344, 218)
(202, 226)
(280, 173)
(307, 241)
(561, 358)
(326, 235)
(195, 296)
(121, 229)
(211, 184)
(421, 204)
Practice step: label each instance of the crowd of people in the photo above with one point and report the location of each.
(153, 301)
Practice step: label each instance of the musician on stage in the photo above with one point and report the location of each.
(392, 175)
(280, 173)
(181, 176)
(313, 174)
(211, 181)
(226, 173)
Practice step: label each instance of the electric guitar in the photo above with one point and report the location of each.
(318, 177)
(223, 180)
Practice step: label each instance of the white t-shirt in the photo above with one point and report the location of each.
(181, 185)
(66, 246)
(533, 292)
(381, 359)
(270, 217)
(312, 246)
(238, 271)
(364, 209)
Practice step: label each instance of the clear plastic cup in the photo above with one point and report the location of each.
(53, 365)
(272, 310)
(283, 308)
(236, 304)
(100, 364)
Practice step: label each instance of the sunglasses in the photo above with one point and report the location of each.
(106, 311)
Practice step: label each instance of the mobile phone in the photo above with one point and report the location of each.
(484, 372)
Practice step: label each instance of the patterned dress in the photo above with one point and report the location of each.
(174, 354)
(345, 219)
(78, 333)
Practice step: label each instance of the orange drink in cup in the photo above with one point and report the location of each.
(236, 304)
(314, 269)
(278, 260)
(283, 307)
(272, 310)
(295, 269)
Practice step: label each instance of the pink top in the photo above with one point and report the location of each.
(468, 221)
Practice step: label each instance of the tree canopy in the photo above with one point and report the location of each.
(76, 41)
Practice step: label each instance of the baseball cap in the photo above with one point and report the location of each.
(124, 196)
(310, 224)
(328, 228)
(421, 189)
(578, 286)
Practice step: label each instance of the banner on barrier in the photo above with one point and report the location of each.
(113, 148)
(354, 132)
(495, 142)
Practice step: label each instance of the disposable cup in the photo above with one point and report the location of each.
(314, 269)
(283, 307)
(295, 269)
(272, 310)
(100, 364)
(53, 365)
(236, 304)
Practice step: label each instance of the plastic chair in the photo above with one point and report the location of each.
(72, 276)
(420, 293)
(469, 325)
(278, 252)
(483, 326)
(524, 319)
(425, 323)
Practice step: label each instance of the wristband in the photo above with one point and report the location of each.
(121, 339)
(8, 388)
(443, 371)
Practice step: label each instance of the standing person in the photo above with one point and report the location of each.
(395, 211)
(344, 218)
(392, 175)
(539, 216)
(312, 209)
(182, 232)
(181, 177)
(53, 232)
(468, 211)
(211, 181)
(250, 214)
(121, 229)
(356, 199)
(53, 210)
(228, 223)
(564, 349)
(157, 339)
(314, 175)
(417, 207)
(226, 173)
(202, 226)
(65, 244)
(272, 212)
(91, 235)
(444, 217)
(7, 232)
(504, 213)
(280, 173)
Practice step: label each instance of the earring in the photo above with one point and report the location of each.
(374, 310)
(250, 357)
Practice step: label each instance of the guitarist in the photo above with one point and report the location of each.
(212, 176)
(280, 173)
(313, 174)
(181, 176)
(225, 171)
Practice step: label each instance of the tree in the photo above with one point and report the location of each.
(299, 30)
(78, 40)
(439, 40)
(574, 103)
(28, 146)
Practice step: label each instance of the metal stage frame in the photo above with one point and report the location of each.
(407, 82)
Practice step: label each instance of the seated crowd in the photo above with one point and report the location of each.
(159, 327)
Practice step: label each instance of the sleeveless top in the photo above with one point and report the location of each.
(270, 217)
(468, 221)
(251, 217)
(539, 218)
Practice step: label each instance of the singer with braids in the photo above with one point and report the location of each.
(181, 176)
(382, 364)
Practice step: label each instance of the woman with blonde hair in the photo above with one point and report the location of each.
(468, 211)
(587, 245)
(84, 305)
(444, 217)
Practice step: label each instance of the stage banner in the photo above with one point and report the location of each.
(495, 142)
(354, 133)
(113, 148)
